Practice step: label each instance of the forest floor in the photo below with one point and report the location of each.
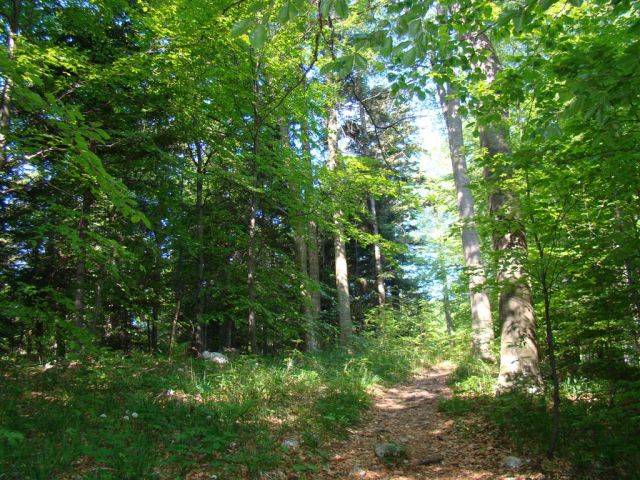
(436, 446)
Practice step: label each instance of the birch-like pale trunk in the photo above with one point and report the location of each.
(519, 359)
(341, 269)
(481, 322)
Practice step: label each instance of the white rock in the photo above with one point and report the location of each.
(358, 472)
(513, 463)
(290, 443)
(215, 357)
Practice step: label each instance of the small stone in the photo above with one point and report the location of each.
(431, 460)
(390, 452)
(358, 472)
(513, 463)
(215, 357)
(290, 443)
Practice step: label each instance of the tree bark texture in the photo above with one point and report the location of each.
(519, 359)
(481, 321)
(341, 269)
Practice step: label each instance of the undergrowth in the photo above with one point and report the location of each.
(144, 417)
(599, 423)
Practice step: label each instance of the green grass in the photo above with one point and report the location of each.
(599, 423)
(227, 420)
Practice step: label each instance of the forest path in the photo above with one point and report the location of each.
(438, 447)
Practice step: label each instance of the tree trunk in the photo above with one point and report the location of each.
(5, 97)
(198, 340)
(341, 269)
(81, 266)
(519, 359)
(481, 322)
(446, 301)
(174, 323)
(251, 252)
(377, 253)
(299, 227)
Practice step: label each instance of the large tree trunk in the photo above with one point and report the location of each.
(481, 322)
(342, 275)
(7, 84)
(519, 360)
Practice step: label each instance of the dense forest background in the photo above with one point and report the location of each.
(249, 177)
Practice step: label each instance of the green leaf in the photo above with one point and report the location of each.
(387, 46)
(361, 62)
(241, 27)
(283, 14)
(258, 36)
(409, 57)
(342, 8)
(325, 7)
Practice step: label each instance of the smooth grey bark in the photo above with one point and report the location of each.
(341, 269)
(519, 358)
(481, 321)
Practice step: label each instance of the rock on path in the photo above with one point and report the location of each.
(438, 448)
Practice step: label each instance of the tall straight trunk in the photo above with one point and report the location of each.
(251, 253)
(377, 254)
(198, 339)
(81, 265)
(481, 322)
(299, 227)
(519, 359)
(174, 323)
(312, 250)
(314, 275)
(341, 269)
(446, 301)
(7, 86)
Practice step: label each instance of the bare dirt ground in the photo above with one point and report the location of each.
(438, 447)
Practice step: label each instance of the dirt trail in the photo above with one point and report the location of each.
(438, 447)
